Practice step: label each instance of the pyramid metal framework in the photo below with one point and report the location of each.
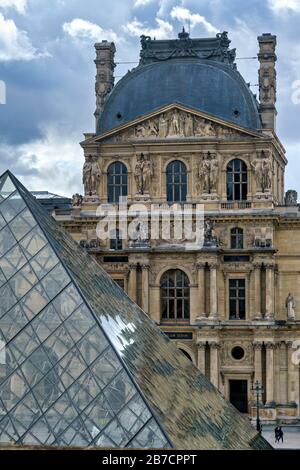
(80, 363)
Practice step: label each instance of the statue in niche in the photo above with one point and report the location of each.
(175, 124)
(290, 307)
(163, 126)
(188, 125)
(208, 172)
(87, 175)
(143, 173)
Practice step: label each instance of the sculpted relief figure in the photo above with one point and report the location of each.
(208, 172)
(188, 125)
(267, 84)
(143, 173)
(290, 307)
(163, 126)
(175, 124)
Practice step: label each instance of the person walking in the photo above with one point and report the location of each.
(280, 434)
(276, 431)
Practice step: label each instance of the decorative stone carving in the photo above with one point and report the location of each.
(175, 123)
(209, 238)
(290, 305)
(208, 172)
(91, 175)
(143, 173)
(105, 65)
(77, 200)
(263, 171)
(267, 82)
(291, 198)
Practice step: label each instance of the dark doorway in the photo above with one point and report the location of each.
(239, 394)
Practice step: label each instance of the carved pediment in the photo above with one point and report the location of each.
(176, 122)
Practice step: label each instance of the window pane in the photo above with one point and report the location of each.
(6, 240)
(12, 261)
(33, 242)
(22, 224)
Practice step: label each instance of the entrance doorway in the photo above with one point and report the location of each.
(238, 394)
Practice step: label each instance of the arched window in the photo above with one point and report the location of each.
(116, 240)
(237, 238)
(175, 296)
(237, 184)
(176, 181)
(116, 181)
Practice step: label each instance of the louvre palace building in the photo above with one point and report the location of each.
(184, 127)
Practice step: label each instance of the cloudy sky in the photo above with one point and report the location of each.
(46, 63)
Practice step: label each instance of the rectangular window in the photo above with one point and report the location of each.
(237, 299)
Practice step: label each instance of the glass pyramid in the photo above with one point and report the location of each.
(80, 363)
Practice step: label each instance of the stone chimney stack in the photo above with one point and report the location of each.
(105, 65)
(267, 80)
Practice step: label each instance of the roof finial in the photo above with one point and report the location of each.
(183, 34)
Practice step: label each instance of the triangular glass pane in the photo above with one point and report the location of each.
(6, 187)
(11, 207)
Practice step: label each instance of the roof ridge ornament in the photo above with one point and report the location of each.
(185, 47)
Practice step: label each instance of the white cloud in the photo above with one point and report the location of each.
(194, 19)
(164, 30)
(14, 43)
(279, 5)
(140, 3)
(51, 163)
(82, 29)
(19, 5)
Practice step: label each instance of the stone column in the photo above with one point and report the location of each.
(201, 289)
(270, 373)
(270, 291)
(257, 291)
(201, 356)
(132, 288)
(291, 374)
(213, 291)
(257, 346)
(145, 287)
(214, 363)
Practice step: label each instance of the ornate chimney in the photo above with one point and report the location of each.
(105, 53)
(267, 80)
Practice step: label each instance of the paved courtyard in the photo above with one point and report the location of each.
(291, 437)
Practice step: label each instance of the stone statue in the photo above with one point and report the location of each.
(163, 126)
(77, 200)
(290, 306)
(95, 175)
(208, 172)
(267, 174)
(87, 175)
(188, 125)
(148, 171)
(214, 171)
(291, 198)
(143, 173)
(204, 170)
(263, 171)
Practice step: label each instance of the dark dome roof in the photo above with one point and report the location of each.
(205, 85)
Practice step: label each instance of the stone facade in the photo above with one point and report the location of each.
(266, 261)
